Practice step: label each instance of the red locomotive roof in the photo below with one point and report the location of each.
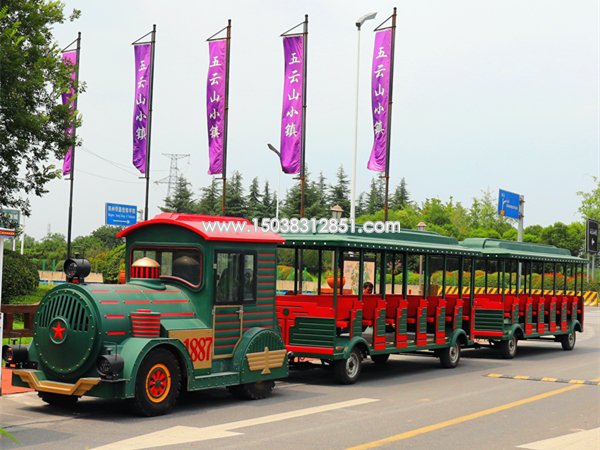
(211, 228)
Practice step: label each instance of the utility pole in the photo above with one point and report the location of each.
(173, 177)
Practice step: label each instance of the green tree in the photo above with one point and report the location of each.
(107, 234)
(401, 196)
(253, 201)
(267, 208)
(375, 196)
(590, 203)
(339, 192)
(566, 236)
(181, 201)
(32, 118)
(210, 200)
(236, 201)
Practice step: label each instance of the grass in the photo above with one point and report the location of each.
(35, 297)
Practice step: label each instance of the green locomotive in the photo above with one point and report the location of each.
(197, 312)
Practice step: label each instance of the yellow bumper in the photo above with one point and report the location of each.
(56, 387)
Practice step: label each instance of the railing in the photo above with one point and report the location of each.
(28, 312)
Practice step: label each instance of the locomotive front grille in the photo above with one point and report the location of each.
(66, 332)
(72, 309)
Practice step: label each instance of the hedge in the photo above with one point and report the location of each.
(19, 276)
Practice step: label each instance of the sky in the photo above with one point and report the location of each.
(487, 95)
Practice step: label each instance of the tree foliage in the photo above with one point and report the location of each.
(181, 200)
(32, 118)
(590, 203)
(19, 275)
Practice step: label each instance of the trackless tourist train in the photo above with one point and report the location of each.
(203, 308)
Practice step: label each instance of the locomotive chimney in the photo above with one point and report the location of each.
(145, 268)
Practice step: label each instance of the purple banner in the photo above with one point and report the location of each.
(380, 88)
(215, 104)
(143, 61)
(291, 115)
(70, 59)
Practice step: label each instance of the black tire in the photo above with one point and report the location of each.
(253, 391)
(59, 400)
(380, 360)
(450, 356)
(158, 383)
(568, 341)
(508, 348)
(347, 370)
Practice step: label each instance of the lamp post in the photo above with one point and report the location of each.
(359, 23)
(421, 227)
(278, 153)
(336, 213)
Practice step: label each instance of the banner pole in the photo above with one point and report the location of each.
(147, 174)
(70, 219)
(304, 66)
(225, 120)
(389, 120)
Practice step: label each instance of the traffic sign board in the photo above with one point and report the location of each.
(591, 236)
(14, 215)
(121, 215)
(508, 204)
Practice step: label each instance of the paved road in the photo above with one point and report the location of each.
(412, 403)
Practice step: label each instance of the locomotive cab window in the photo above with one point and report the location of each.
(235, 277)
(180, 264)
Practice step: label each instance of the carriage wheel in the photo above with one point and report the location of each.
(348, 370)
(509, 348)
(568, 341)
(450, 356)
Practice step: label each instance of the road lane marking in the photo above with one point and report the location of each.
(585, 439)
(183, 435)
(468, 417)
(546, 379)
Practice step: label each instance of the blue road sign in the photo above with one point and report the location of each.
(508, 204)
(120, 215)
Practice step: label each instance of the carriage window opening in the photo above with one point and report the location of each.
(235, 278)
(183, 264)
(436, 268)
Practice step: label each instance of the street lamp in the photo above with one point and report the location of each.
(278, 153)
(336, 212)
(421, 227)
(359, 23)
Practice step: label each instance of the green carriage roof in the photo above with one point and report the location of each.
(405, 240)
(520, 250)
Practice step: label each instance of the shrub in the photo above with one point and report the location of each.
(19, 276)
(113, 264)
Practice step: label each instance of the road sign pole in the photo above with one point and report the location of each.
(520, 235)
(593, 266)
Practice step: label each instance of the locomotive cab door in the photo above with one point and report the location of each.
(235, 285)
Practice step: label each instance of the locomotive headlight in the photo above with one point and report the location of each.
(77, 268)
(109, 366)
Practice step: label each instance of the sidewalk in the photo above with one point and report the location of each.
(7, 387)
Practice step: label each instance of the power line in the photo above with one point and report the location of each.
(112, 163)
(108, 178)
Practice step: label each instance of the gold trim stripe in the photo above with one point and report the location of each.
(81, 387)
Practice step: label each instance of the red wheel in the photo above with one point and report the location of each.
(157, 384)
